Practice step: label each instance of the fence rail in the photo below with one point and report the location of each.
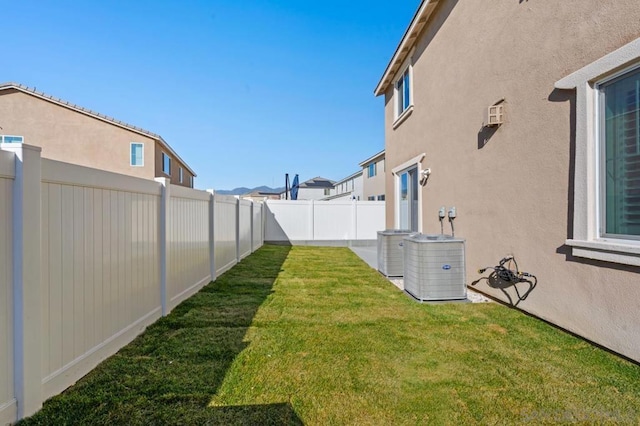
(89, 258)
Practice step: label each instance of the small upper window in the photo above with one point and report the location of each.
(166, 164)
(403, 92)
(371, 198)
(137, 154)
(327, 191)
(381, 197)
(372, 170)
(180, 174)
(11, 139)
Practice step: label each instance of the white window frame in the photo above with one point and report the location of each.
(588, 241)
(370, 167)
(130, 159)
(415, 162)
(165, 155)
(401, 116)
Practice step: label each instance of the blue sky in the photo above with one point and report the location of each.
(244, 91)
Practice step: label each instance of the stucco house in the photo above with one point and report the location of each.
(73, 134)
(349, 188)
(525, 116)
(373, 172)
(312, 189)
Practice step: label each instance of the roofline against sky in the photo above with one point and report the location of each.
(372, 158)
(406, 44)
(351, 176)
(96, 115)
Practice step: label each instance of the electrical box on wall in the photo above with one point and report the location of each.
(495, 115)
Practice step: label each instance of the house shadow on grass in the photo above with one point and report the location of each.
(171, 372)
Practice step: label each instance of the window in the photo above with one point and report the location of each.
(619, 123)
(372, 170)
(327, 191)
(180, 174)
(11, 139)
(371, 198)
(403, 92)
(137, 154)
(166, 164)
(381, 197)
(607, 156)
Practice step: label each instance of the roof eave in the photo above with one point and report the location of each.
(373, 158)
(407, 42)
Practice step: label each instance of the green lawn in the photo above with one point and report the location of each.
(314, 336)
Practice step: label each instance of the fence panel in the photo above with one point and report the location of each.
(8, 405)
(225, 223)
(288, 220)
(188, 266)
(100, 267)
(370, 218)
(258, 234)
(323, 221)
(244, 231)
(333, 221)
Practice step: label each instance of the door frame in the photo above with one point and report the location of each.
(415, 162)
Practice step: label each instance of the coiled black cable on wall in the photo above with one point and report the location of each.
(507, 274)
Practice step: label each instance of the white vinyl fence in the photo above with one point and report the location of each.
(88, 259)
(8, 407)
(308, 221)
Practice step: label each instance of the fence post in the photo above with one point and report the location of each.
(311, 220)
(27, 324)
(163, 234)
(251, 221)
(212, 233)
(238, 230)
(354, 220)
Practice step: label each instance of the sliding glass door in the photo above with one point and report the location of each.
(408, 199)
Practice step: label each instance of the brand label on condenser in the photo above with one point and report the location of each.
(446, 267)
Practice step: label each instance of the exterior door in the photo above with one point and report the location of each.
(408, 199)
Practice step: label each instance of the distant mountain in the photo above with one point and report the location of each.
(243, 190)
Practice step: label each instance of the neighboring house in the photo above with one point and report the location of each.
(556, 185)
(349, 188)
(312, 189)
(373, 169)
(261, 196)
(73, 134)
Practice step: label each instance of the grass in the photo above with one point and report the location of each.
(313, 336)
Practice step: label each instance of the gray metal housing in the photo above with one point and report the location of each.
(390, 262)
(434, 267)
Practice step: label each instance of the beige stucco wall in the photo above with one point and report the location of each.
(66, 135)
(374, 186)
(513, 187)
(70, 136)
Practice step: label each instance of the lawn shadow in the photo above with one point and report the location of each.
(171, 373)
